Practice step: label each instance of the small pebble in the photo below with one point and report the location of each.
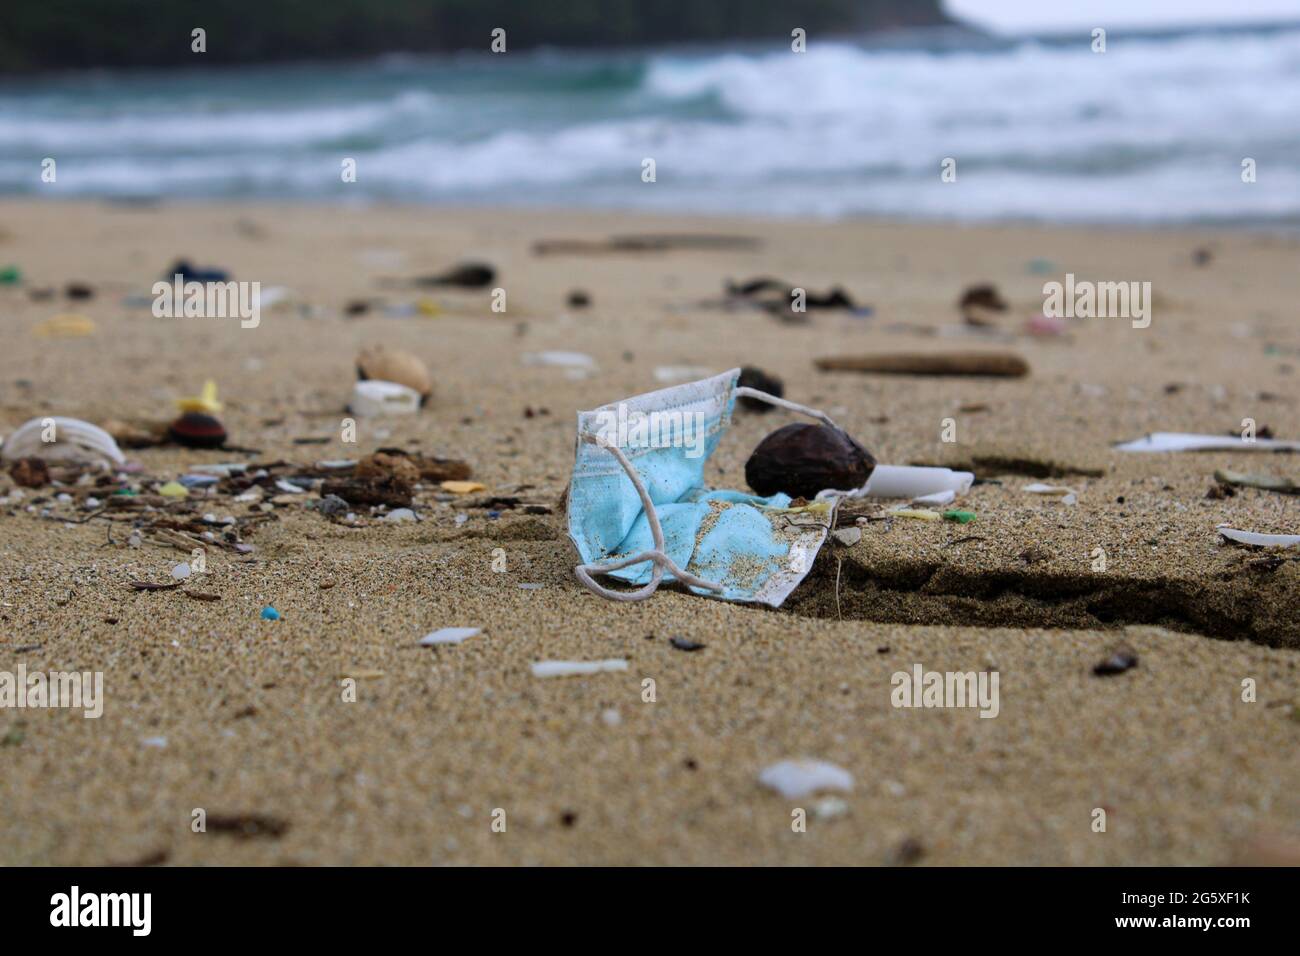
(1119, 661)
(685, 644)
(848, 536)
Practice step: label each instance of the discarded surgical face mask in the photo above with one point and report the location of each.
(639, 510)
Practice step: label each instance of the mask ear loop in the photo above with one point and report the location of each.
(657, 555)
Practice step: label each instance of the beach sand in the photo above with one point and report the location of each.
(208, 707)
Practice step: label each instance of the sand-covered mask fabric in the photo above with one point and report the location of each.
(639, 510)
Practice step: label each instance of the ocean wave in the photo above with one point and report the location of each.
(1150, 131)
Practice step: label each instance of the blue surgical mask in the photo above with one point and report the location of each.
(719, 543)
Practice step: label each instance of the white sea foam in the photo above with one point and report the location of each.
(1150, 131)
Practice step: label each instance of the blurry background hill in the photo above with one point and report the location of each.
(57, 34)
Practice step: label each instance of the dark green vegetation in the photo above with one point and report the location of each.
(71, 34)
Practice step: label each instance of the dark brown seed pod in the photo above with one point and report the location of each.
(196, 430)
(802, 460)
(752, 377)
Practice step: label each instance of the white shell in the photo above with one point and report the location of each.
(448, 635)
(569, 668)
(74, 440)
(376, 397)
(1259, 539)
(793, 779)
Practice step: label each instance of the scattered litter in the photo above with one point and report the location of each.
(959, 516)
(198, 481)
(331, 506)
(531, 587)
(980, 305)
(988, 364)
(1117, 662)
(803, 459)
(173, 489)
(645, 242)
(74, 440)
(829, 808)
(1068, 496)
(920, 514)
(611, 717)
(399, 515)
(205, 402)
(570, 668)
(159, 742)
(373, 397)
(197, 430)
(1046, 326)
(914, 482)
(462, 487)
(1258, 539)
(679, 373)
(578, 360)
(379, 363)
(793, 779)
(448, 635)
(67, 326)
(288, 487)
(190, 273)
(939, 498)
(1183, 441)
(30, 473)
(685, 644)
(181, 571)
(465, 275)
(1266, 482)
(270, 614)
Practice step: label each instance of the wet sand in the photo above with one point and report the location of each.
(251, 712)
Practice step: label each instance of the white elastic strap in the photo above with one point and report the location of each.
(658, 555)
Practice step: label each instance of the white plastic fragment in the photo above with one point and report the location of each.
(570, 668)
(907, 481)
(374, 397)
(74, 440)
(181, 571)
(1184, 441)
(399, 515)
(560, 358)
(1258, 539)
(801, 778)
(1067, 495)
(680, 373)
(944, 497)
(448, 635)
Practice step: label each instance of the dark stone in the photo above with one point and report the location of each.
(802, 460)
